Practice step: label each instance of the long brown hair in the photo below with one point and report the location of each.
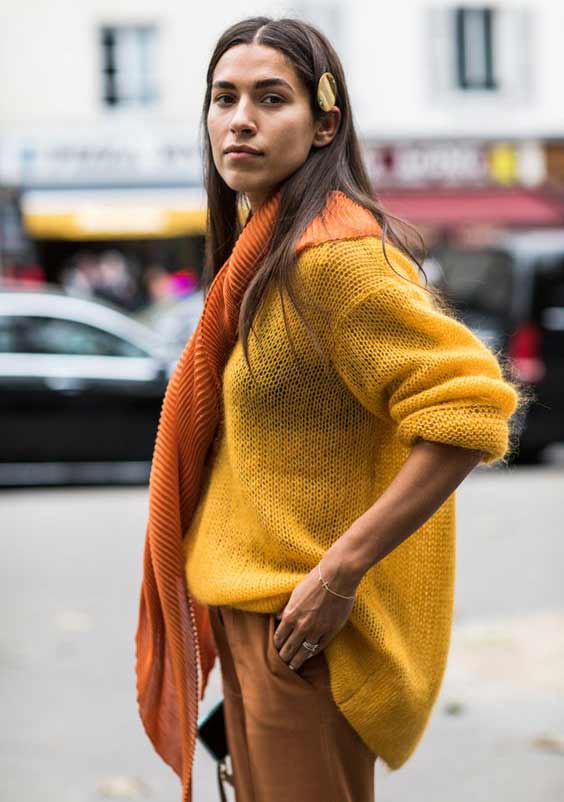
(337, 166)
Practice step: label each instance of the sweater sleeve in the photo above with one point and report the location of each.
(406, 359)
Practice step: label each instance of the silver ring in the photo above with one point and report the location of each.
(311, 647)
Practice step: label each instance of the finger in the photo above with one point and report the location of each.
(297, 660)
(301, 657)
(303, 654)
(290, 648)
(281, 633)
(324, 640)
(293, 650)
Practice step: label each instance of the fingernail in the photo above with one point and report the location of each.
(291, 666)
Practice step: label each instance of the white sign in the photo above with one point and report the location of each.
(455, 163)
(132, 157)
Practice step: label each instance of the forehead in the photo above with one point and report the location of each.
(248, 63)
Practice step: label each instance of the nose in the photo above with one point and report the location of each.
(242, 118)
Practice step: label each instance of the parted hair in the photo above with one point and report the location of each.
(336, 166)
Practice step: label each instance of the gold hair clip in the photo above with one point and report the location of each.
(327, 91)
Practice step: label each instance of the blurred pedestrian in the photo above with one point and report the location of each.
(20, 273)
(81, 275)
(301, 503)
(158, 284)
(116, 281)
(184, 282)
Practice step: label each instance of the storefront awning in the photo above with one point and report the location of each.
(88, 214)
(510, 208)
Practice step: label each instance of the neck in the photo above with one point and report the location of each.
(257, 199)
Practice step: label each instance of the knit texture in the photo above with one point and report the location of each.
(175, 650)
(305, 450)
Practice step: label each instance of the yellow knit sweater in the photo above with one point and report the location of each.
(304, 451)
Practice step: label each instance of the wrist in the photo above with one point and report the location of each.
(341, 569)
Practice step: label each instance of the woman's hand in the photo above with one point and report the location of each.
(426, 479)
(314, 613)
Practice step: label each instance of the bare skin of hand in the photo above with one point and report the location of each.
(313, 613)
(430, 474)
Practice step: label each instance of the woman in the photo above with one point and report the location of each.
(301, 521)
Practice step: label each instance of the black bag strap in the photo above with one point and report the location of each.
(223, 775)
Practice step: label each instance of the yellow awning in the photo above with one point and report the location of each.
(114, 214)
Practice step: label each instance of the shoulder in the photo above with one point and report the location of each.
(339, 271)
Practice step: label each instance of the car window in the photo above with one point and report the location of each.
(476, 281)
(49, 335)
(548, 296)
(7, 335)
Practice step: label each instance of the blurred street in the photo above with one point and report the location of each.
(70, 574)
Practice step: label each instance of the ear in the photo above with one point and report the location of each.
(326, 127)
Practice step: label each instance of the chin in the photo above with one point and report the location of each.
(241, 183)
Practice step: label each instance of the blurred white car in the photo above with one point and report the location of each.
(174, 320)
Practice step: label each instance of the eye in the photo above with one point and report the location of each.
(276, 98)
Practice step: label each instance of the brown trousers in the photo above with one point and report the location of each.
(288, 741)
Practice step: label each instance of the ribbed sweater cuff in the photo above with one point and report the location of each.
(481, 428)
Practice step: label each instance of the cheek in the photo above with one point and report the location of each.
(296, 147)
(296, 137)
(213, 130)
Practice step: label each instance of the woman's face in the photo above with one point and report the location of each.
(258, 101)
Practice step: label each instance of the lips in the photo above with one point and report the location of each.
(243, 151)
(238, 156)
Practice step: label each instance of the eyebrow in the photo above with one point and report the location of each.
(264, 84)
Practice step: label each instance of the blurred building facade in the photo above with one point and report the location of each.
(459, 107)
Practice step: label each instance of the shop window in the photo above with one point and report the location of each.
(129, 65)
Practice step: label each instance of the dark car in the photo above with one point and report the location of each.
(512, 296)
(81, 387)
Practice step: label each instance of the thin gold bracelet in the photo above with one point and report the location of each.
(326, 586)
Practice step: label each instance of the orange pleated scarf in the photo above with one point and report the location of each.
(175, 650)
